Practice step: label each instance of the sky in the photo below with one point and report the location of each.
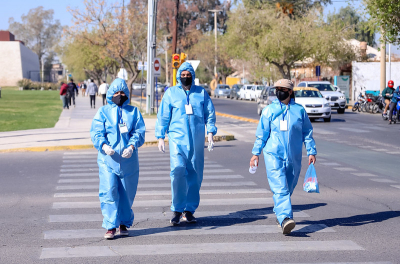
(16, 8)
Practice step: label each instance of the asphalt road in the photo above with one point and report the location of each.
(49, 210)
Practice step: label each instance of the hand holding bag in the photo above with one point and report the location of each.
(310, 184)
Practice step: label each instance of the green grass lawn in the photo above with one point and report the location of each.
(20, 110)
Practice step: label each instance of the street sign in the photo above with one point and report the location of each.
(318, 71)
(141, 66)
(194, 63)
(157, 67)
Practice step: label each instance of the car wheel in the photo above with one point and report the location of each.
(237, 97)
(312, 120)
(327, 119)
(341, 110)
(214, 96)
(218, 96)
(259, 111)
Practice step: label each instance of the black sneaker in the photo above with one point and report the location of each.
(277, 222)
(189, 217)
(287, 226)
(176, 219)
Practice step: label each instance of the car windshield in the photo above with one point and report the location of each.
(272, 92)
(259, 88)
(249, 87)
(323, 87)
(239, 86)
(223, 87)
(307, 93)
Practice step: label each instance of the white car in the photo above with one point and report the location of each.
(336, 99)
(256, 92)
(315, 104)
(245, 92)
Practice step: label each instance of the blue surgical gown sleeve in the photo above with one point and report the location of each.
(164, 115)
(308, 139)
(137, 136)
(98, 131)
(262, 133)
(209, 114)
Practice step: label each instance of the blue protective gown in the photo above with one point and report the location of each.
(186, 134)
(118, 176)
(283, 150)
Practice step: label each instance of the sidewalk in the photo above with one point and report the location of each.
(72, 131)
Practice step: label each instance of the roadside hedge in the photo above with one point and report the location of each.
(27, 84)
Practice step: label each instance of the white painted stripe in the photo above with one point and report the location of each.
(165, 158)
(363, 174)
(185, 231)
(167, 172)
(79, 170)
(198, 248)
(81, 153)
(93, 163)
(383, 180)
(380, 150)
(158, 185)
(381, 262)
(396, 186)
(353, 130)
(162, 193)
(253, 214)
(84, 174)
(393, 153)
(345, 169)
(329, 164)
(163, 203)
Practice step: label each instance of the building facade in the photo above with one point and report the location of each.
(17, 62)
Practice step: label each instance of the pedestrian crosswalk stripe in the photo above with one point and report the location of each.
(161, 193)
(167, 172)
(81, 174)
(247, 214)
(345, 169)
(166, 166)
(80, 169)
(144, 172)
(198, 248)
(363, 174)
(81, 153)
(161, 178)
(382, 180)
(189, 231)
(329, 163)
(396, 186)
(157, 185)
(163, 203)
(93, 163)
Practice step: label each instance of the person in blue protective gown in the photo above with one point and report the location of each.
(185, 111)
(118, 130)
(283, 127)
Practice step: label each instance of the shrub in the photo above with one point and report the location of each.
(27, 84)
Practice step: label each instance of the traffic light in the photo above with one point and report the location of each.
(183, 57)
(176, 61)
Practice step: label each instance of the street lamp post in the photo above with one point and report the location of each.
(215, 32)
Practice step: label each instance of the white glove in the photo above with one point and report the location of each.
(161, 145)
(210, 142)
(108, 150)
(127, 153)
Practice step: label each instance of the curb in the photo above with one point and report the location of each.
(80, 147)
(238, 117)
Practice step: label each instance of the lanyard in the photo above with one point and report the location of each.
(120, 114)
(187, 95)
(285, 112)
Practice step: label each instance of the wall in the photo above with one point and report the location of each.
(16, 62)
(366, 76)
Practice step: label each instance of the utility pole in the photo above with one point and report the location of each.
(175, 36)
(390, 63)
(383, 66)
(166, 57)
(151, 47)
(42, 70)
(215, 33)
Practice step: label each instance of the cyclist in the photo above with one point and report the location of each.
(393, 103)
(387, 94)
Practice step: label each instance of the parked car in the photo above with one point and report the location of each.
(245, 91)
(336, 99)
(315, 104)
(207, 88)
(160, 88)
(137, 86)
(235, 91)
(222, 90)
(256, 92)
(268, 95)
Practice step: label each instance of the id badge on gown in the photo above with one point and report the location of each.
(189, 109)
(123, 128)
(283, 125)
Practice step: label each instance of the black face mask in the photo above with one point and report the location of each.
(281, 95)
(186, 81)
(119, 99)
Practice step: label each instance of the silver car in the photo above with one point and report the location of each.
(222, 90)
(268, 95)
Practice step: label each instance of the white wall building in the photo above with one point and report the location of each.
(366, 76)
(17, 62)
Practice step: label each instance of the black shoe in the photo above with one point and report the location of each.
(287, 226)
(176, 219)
(277, 222)
(390, 122)
(189, 217)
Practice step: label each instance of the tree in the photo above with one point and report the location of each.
(385, 15)
(118, 31)
(283, 41)
(38, 31)
(349, 16)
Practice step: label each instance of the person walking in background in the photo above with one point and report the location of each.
(72, 89)
(83, 88)
(63, 95)
(185, 111)
(103, 91)
(118, 130)
(92, 90)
